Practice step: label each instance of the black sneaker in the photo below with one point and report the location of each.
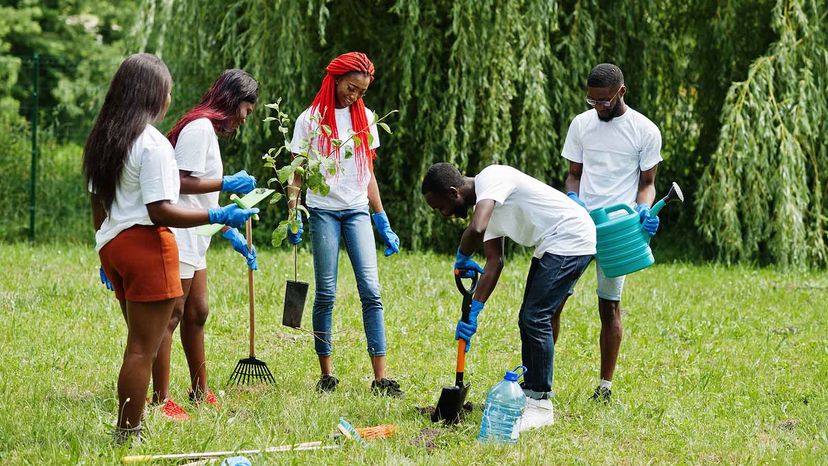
(602, 394)
(327, 384)
(387, 387)
(127, 435)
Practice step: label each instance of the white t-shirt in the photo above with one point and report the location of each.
(534, 214)
(614, 154)
(197, 151)
(149, 175)
(348, 190)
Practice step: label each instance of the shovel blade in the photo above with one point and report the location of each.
(295, 296)
(450, 404)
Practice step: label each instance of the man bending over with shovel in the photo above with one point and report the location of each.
(509, 203)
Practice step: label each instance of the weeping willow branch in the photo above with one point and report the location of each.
(763, 196)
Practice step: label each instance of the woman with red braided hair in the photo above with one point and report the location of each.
(343, 213)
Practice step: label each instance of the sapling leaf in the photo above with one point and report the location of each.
(285, 174)
(324, 189)
(279, 234)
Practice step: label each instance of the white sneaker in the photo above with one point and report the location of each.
(538, 413)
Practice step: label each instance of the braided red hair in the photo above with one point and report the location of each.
(325, 103)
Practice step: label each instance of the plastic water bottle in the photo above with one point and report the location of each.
(504, 406)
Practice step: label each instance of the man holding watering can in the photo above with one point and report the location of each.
(509, 203)
(613, 153)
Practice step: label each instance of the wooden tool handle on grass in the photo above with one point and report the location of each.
(249, 227)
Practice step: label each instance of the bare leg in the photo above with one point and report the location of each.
(326, 365)
(146, 323)
(611, 333)
(378, 365)
(161, 366)
(196, 311)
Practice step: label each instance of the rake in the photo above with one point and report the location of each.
(251, 370)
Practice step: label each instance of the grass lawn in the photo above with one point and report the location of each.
(718, 365)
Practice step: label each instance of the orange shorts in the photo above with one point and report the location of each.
(142, 264)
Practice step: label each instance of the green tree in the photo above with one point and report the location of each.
(481, 82)
(764, 192)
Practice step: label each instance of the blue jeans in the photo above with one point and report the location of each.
(549, 281)
(353, 226)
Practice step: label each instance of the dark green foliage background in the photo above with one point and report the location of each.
(736, 86)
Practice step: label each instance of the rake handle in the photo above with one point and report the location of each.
(250, 293)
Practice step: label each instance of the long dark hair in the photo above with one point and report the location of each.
(221, 103)
(136, 98)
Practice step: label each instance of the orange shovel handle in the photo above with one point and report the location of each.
(461, 356)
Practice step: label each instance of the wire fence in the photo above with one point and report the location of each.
(42, 152)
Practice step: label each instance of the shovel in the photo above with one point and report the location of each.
(295, 294)
(450, 404)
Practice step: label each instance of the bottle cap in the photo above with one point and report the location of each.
(513, 375)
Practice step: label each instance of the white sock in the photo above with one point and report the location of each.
(604, 384)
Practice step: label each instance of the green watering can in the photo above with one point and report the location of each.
(623, 245)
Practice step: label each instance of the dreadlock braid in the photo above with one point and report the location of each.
(325, 103)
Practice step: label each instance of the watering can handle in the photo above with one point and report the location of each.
(617, 207)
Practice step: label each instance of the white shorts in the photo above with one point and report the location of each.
(187, 271)
(608, 288)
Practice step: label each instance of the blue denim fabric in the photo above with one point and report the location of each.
(353, 227)
(549, 280)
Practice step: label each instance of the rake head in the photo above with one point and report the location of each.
(251, 371)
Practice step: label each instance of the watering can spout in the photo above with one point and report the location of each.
(674, 194)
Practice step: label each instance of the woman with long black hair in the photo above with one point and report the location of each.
(221, 111)
(130, 170)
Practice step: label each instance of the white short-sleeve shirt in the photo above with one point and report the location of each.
(348, 189)
(613, 154)
(534, 214)
(197, 151)
(149, 175)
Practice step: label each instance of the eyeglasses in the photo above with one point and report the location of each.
(604, 103)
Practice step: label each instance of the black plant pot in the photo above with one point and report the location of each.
(295, 295)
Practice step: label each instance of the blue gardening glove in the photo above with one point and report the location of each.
(296, 238)
(648, 222)
(466, 265)
(391, 240)
(466, 330)
(240, 245)
(574, 196)
(239, 182)
(105, 280)
(231, 215)
(235, 461)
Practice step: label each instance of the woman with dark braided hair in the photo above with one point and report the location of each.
(221, 111)
(130, 169)
(342, 216)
